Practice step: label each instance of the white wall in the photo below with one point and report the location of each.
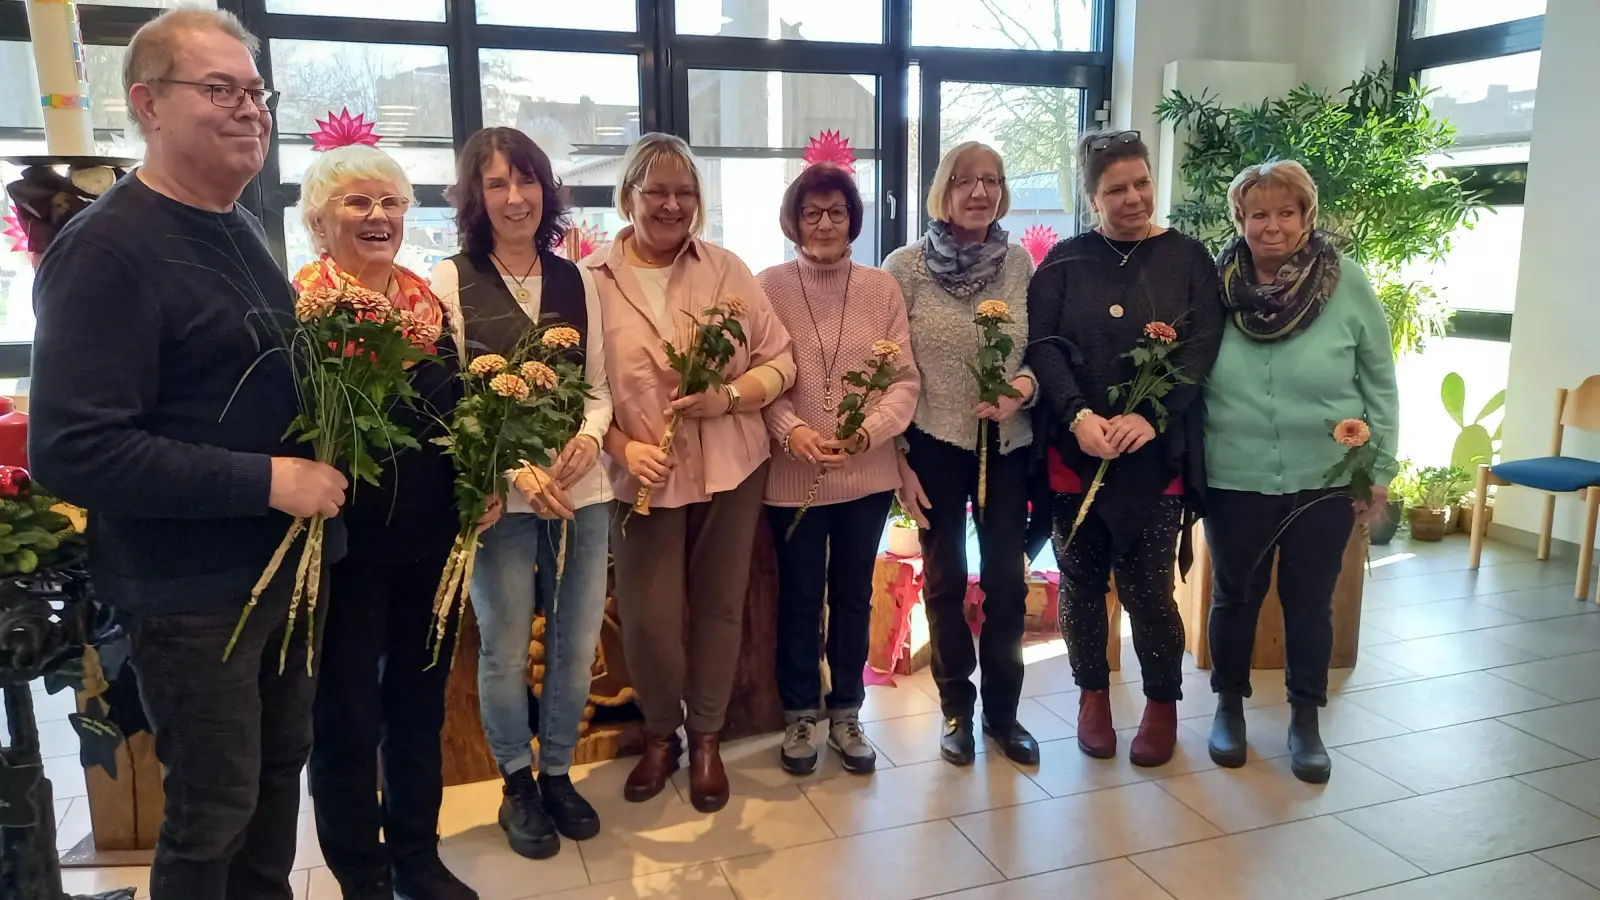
(1558, 312)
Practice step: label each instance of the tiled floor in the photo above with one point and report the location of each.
(1467, 766)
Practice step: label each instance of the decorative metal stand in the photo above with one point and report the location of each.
(45, 624)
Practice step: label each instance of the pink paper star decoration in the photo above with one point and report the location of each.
(19, 238)
(1037, 241)
(830, 147)
(590, 238)
(342, 130)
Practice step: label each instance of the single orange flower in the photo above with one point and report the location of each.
(1352, 433)
(1161, 331)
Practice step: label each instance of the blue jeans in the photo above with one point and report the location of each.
(515, 568)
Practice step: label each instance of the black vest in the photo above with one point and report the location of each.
(494, 320)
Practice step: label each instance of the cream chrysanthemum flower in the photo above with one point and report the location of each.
(539, 375)
(315, 303)
(994, 309)
(417, 331)
(561, 337)
(886, 350)
(367, 303)
(509, 385)
(488, 364)
(734, 305)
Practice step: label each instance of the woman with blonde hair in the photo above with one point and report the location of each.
(1308, 346)
(692, 551)
(379, 698)
(964, 259)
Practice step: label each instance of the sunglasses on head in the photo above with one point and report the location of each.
(1099, 145)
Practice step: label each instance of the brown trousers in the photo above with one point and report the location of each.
(695, 557)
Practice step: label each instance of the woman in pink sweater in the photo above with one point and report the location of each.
(835, 311)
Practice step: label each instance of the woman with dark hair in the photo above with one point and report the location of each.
(507, 279)
(1091, 302)
(833, 549)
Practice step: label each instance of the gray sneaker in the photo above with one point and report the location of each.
(847, 739)
(799, 752)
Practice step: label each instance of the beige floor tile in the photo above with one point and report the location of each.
(1577, 785)
(1441, 617)
(308, 850)
(909, 740)
(1115, 879)
(1458, 755)
(1575, 726)
(56, 738)
(1048, 676)
(96, 881)
(1566, 678)
(921, 793)
(1581, 859)
(898, 864)
(1267, 793)
(1456, 583)
(1469, 825)
(1065, 770)
(752, 763)
(300, 884)
(695, 883)
(1449, 654)
(75, 825)
(1549, 602)
(1340, 722)
(1085, 828)
(321, 885)
(469, 806)
(667, 833)
(1552, 637)
(1371, 637)
(1519, 876)
(892, 702)
(481, 858)
(1451, 700)
(66, 777)
(1367, 673)
(1311, 860)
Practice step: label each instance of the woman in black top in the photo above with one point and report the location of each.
(1088, 306)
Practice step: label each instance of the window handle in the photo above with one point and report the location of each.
(893, 205)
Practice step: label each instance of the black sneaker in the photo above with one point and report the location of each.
(527, 827)
(427, 878)
(572, 815)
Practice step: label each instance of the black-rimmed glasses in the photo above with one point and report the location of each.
(1113, 140)
(231, 96)
(838, 215)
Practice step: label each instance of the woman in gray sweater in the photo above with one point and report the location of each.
(963, 260)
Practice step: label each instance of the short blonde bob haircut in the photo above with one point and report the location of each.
(645, 154)
(328, 174)
(939, 191)
(1281, 175)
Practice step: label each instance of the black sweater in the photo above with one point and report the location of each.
(1170, 278)
(151, 315)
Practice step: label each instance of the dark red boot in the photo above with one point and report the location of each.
(1158, 735)
(1096, 737)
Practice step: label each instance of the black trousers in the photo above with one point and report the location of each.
(1144, 587)
(1239, 528)
(949, 476)
(232, 737)
(831, 556)
(378, 699)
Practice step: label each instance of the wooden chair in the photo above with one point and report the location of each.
(1554, 474)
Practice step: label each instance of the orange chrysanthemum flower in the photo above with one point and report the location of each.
(366, 303)
(315, 303)
(886, 350)
(1161, 331)
(994, 309)
(417, 331)
(539, 375)
(488, 364)
(734, 305)
(1352, 433)
(561, 337)
(509, 385)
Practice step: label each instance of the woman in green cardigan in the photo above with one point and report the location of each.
(1308, 346)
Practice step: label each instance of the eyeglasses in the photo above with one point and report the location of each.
(361, 204)
(662, 195)
(231, 96)
(991, 183)
(838, 215)
(1099, 145)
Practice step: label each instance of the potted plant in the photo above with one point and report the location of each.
(1382, 531)
(1429, 498)
(904, 536)
(1473, 446)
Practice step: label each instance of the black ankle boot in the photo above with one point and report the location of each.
(572, 815)
(427, 878)
(1308, 759)
(1227, 744)
(528, 829)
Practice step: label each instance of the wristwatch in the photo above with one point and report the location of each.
(733, 397)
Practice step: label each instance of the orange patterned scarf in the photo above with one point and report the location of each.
(409, 291)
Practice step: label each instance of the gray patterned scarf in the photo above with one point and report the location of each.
(1288, 306)
(963, 269)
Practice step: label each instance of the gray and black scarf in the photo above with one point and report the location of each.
(964, 269)
(1287, 306)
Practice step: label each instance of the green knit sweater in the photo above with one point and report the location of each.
(1268, 405)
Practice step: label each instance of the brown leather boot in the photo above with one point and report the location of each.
(1096, 737)
(708, 783)
(1158, 735)
(650, 774)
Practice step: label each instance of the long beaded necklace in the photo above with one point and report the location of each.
(828, 402)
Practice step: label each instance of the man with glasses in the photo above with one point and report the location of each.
(158, 406)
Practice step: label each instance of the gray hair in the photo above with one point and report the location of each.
(327, 175)
(153, 53)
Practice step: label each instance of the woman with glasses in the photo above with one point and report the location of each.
(691, 552)
(378, 701)
(963, 260)
(839, 313)
(1093, 300)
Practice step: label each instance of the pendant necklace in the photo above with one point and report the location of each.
(828, 402)
(522, 293)
(1116, 309)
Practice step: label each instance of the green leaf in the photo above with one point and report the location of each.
(1494, 404)
(1453, 390)
(1473, 446)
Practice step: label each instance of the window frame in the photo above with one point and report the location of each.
(1504, 183)
(665, 59)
